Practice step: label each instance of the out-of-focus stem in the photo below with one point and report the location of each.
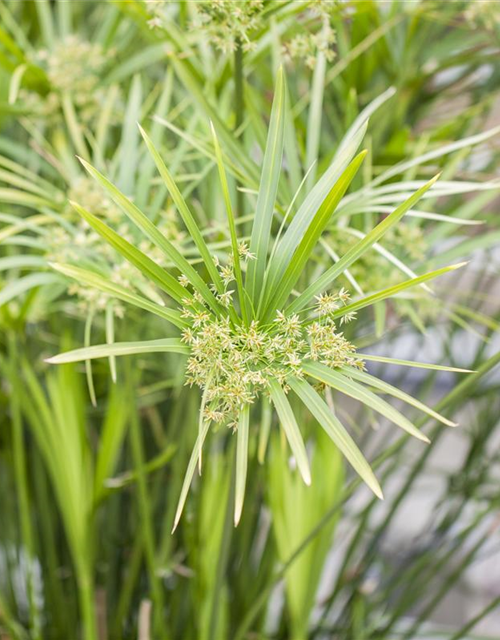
(239, 108)
(22, 492)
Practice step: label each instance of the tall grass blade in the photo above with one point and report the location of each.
(241, 462)
(359, 249)
(291, 429)
(336, 431)
(162, 345)
(347, 386)
(271, 170)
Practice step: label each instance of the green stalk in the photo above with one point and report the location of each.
(145, 510)
(19, 454)
(420, 576)
(459, 392)
(86, 599)
(127, 588)
(225, 542)
(482, 614)
(451, 579)
(55, 600)
(239, 108)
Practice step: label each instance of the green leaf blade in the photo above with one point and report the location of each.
(193, 460)
(184, 211)
(384, 387)
(392, 291)
(151, 232)
(96, 280)
(148, 267)
(291, 429)
(241, 462)
(336, 431)
(350, 388)
(271, 170)
(358, 250)
(312, 235)
(162, 345)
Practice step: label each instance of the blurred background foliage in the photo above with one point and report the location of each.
(93, 456)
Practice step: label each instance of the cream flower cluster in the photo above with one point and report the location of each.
(233, 363)
(73, 67)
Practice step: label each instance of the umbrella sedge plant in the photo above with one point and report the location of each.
(249, 326)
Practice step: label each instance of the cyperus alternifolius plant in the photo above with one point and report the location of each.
(243, 325)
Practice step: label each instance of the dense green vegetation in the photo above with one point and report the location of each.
(247, 290)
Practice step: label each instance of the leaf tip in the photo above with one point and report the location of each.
(176, 520)
(237, 514)
(213, 131)
(56, 266)
(305, 472)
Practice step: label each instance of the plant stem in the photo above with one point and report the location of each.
(87, 605)
(128, 585)
(482, 614)
(225, 543)
(145, 511)
(461, 392)
(239, 108)
(19, 454)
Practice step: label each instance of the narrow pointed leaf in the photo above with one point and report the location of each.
(195, 456)
(88, 363)
(99, 282)
(390, 257)
(312, 235)
(296, 230)
(163, 345)
(411, 363)
(392, 291)
(110, 337)
(151, 232)
(148, 267)
(241, 462)
(291, 429)
(361, 122)
(384, 387)
(432, 155)
(184, 211)
(230, 219)
(127, 153)
(271, 169)
(358, 250)
(336, 431)
(349, 387)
